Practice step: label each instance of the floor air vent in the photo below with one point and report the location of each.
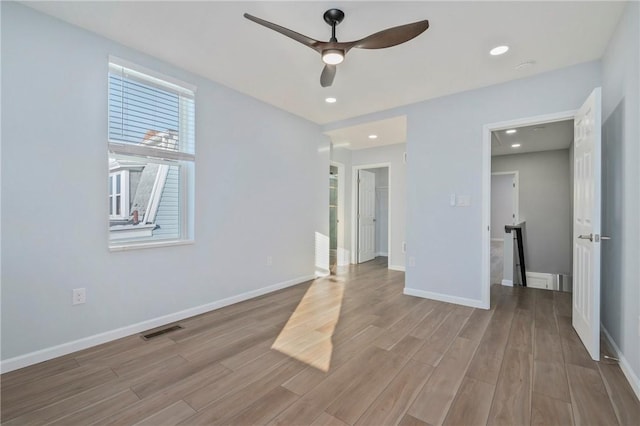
(151, 335)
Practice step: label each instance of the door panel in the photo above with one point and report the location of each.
(586, 223)
(366, 216)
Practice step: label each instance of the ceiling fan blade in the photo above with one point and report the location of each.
(392, 36)
(307, 41)
(328, 73)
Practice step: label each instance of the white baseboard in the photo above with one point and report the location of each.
(508, 283)
(382, 254)
(497, 240)
(445, 298)
(633, 380)
(400, 268)
(46, 354)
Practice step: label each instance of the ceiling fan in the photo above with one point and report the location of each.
(333, 51)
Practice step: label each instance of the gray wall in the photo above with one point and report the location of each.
(544, 202)
(444, 146)
(621, 189)
(261, 190)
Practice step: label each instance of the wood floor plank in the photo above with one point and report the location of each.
(576, 354)
(374, 375)
(172, 415)
(37, 372)
(512, 399)
(327, 420)
(216, 389)
(33, 395)
(408, 420)
(264, 409)
(100, 410)
(432, 321)
(486, 363)
(432, 403)
(475, 327)
(310, 377)
(550, 379)
(438, 343)
(546, 411)
(235, 402)
(472, 404)
(625, 403)
(589, 399)
(393, 402)
(521, 334)
(300, 412)
(547, 346)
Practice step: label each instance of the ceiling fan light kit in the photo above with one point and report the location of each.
(333, 51)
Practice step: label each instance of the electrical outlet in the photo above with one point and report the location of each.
(269, 260)
(79, 296)
(412, 261)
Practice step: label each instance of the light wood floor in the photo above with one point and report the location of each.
(392, 359)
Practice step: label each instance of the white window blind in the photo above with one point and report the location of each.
(149, 116)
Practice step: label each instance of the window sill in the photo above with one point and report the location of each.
(147, 245)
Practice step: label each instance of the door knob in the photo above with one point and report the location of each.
(586, 237)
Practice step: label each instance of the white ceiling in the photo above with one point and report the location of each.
(213, 39)
(389, 131)
(541, 137)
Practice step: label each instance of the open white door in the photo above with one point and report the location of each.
(366, 216)
(586, 223)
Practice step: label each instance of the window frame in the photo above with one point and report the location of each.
(185, 161)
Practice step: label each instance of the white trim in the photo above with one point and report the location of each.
(156, 194)
(108, 336)
(382, 254)
(633, 380)
(147, 245)
(400, 268)
(153, 153)
(354, 207)
(342, 238)
(116, 64)
(507, 283)
(445, 298)
(486, 185)
(497, 240)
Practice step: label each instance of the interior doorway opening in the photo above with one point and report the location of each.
(371, 213)
(532, 189)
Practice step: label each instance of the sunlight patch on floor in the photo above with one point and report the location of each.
(307, 334)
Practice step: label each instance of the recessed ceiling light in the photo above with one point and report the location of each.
(498, 50)
(515, 145)
(330, 100)
(511, 131)
(373, 136)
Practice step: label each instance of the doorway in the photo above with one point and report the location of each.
(585, 200)
(371, 216)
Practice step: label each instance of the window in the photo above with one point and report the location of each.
(151, 156)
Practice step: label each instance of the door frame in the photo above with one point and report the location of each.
(487, 129)
(343, 255)
(354, 208)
